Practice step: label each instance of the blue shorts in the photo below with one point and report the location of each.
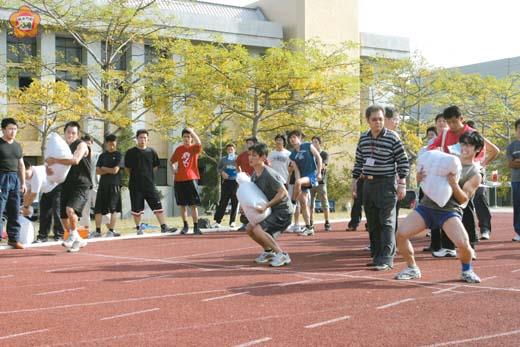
(313, 179)
(435, 219)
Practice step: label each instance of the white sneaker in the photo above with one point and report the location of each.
(216, 226)
(469, 277)
(233, 225)
(444, 252)
(409, 273)
(294, 228)
(307, 231)
(485, 235)
(516, 238)
(76, 246)
(69, 241)
(280, 259)
(265, 257)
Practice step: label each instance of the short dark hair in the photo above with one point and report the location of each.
(110, 138)
(72, 124)
(473, 138)
(317, 138)
(141, 131)
(440, 115)
(434, 129)
(185, 131)
(373, 109)
(230, 145)
(389, 112)
(27, 164)
(471, 123)
(260, 149)
(86, 137)
(296, 133)
(7, 121)
(517, 123)
(281, 136)
(252, 139)
(452, 112)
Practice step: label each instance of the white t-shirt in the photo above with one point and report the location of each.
(38, 177)
(280, 163)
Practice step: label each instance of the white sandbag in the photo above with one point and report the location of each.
(48, 186)
(57, 148)
(249, 196)
(437, 166)
(26, 231)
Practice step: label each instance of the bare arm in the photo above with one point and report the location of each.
(491, 152)
(79, 154)
(196, 139)
(462, 195)
(281, 194)
(21, 175)
(319, 162)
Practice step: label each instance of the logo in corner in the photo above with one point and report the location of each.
(25, 22)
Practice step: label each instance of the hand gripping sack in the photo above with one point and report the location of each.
(437, 166)
(57, 148)
(249, 196)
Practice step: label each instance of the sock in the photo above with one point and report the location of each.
(466, 267)
(164, 226)
(98, 230)
(195, 225)
(185, 224)
(326, 222)
(111, 230)
(137, 227)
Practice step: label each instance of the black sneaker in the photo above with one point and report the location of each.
(184, 230)
(197, 231)
(58, 238)
(112, 234)
(327, 227)
(168, 230)
(40, 240)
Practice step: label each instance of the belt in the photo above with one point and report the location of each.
(374, 177)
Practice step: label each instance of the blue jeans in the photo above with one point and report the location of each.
(10, 203)
(516, 206)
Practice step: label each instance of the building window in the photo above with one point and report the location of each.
(68, 52)
(17, 79)
(161, 175)
(18, 50)
(119, 61)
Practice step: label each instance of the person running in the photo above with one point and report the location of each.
(449, 217)
(321, 189)
(76, 187)
(263, 233)
(12, 180)
(307, 165)
(380, 157)
(49, 202)
(228, 188)
(108, 199)
(184, 162)
(513, 158)
(141, 162)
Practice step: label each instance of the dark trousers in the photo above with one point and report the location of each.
(49, 210)
(516, 206)
(482, 209)
(379, 199)
(10, 204)
(357, 206)
(228, 192)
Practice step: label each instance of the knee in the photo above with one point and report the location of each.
(70, 212)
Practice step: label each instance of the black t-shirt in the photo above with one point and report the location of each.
(141, 163)
(325, 161)
(79, 175)
(110, 160)
(10, 154)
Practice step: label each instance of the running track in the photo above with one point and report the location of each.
(206, 291)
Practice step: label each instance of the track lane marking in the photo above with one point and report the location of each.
(254, 342)
(450, 289)
(488, 278)
(6, 276)
(517, 270)
(145, 278)
(224, 296)
(478, 338)
(23, 334)
(330, 321)
(316, 255)
(61, 291)
(130, 314)
(395, 303)
(64, 269)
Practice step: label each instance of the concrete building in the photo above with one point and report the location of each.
(498, 68)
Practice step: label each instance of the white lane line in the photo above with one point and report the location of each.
(316, 255)
(6, 276)
(330, 321)
(517, 270)
(61, 291)
(254, 342)
(23, 334)
(65, 269)
(478, 338)
(223, 297)
(131, 314)
(395, 303)
(488, 278)
(294, 283)
(145, 278)
(450, 289)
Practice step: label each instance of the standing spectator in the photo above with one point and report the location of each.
(279, 158)
(184, 161)
(243, 165)
(321, 189)
(49, 207)
(513, 157)
(141, 162)
(108, 199)
(85, 214)
(76, 187)
(228, 188)
(380, 156)
(306, 161)
(392, 123)
(12, 180)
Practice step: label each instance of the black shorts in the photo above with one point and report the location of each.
(137, 199)
(187, 193)
(75, 198)
(108, 199)
(277, 221)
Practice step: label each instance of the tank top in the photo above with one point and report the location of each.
(79, 175)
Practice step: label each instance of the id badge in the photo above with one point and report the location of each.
(370, 162)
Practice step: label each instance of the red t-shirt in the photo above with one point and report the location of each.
(186, 157)
(452, 138)
(242, 163)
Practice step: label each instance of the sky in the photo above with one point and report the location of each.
(446, 32)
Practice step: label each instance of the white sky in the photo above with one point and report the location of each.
(446, 32)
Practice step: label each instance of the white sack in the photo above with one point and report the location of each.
(437, 166)
(48, 186)
(57, 148)
(249, 196)
(26, 231)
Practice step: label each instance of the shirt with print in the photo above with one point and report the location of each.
(304, 159)
(186, 158)
(513, 152)
(10, 154)
(110, 160)
(269, 182)
(228, 165)
(141, 163)
(280, 161)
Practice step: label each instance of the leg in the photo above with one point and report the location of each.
(313, 192)
(264, 239)
(516, 207)
(113, 220)
(412, 225)
(160, 218)
(469, 222)
(46, 213)
(56, 203)
(324, 198)
(357, 206)
(12, 209)
(482, 209)
(98, 217)
(184, 214)
(303, 198)
(194, 214)
(225, 195)
(234, 203)
(455, 231)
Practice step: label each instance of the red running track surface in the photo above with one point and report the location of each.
(206, 291)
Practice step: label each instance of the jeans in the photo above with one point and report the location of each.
(10, 203)
(516, 206)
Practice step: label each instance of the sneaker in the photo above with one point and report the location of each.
(409, 273)
(112, 234)
(184, 230)
(232, 225)
(382, 267)
(94, 234)
(168, 230)
(444, 252)
(307, 231)
(40, 239)
(280, 259)
(58, 238)
(140, 231)
(516, 238)
(327, 226)
(76, 246)
(294, 228)
(351, 228)
(74, 242)
(368, 248)
(485, 235)
(265, 257)
(197, 231)
(216, 226)
(469, 277)
(69, 241)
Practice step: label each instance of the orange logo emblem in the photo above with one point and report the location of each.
(25, 22)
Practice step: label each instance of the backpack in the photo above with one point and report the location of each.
(204, 223)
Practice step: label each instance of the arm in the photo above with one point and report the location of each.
(491, 152)
(21, 175)
(107, 170)
(196, 139)
(319, 162)
(462, 195)
(28, 199)
(79, 153)
(281, 194)
(357, 170)
(403, 167)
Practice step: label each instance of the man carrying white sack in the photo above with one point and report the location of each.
(272, 185)
(429, 214)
